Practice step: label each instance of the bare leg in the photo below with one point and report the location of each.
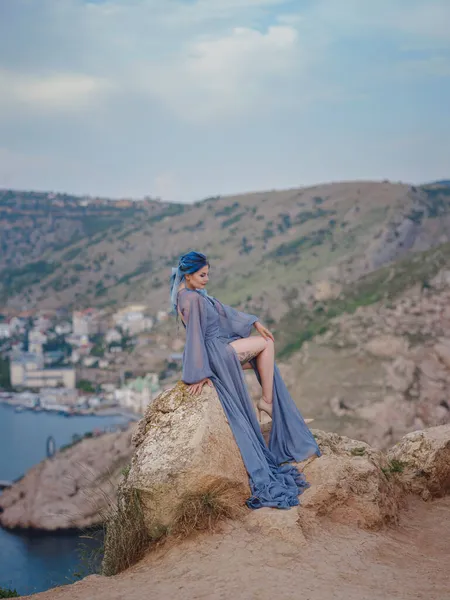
(264, 359)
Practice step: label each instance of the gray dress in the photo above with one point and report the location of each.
(210, 327)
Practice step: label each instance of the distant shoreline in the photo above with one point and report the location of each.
(90, 412)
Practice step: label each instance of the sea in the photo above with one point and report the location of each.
(31, 562)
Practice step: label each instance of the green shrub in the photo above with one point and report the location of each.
(227, 210)
(71, 254)
(316, 238)
(232, 220)
(358, 451)
(4, 593)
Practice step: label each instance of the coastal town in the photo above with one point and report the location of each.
(89, 361)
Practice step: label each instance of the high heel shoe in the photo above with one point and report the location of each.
(263, 406)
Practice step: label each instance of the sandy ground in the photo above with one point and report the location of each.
(270, 558)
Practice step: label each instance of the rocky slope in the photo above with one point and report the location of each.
(363, 529)
(268, 249)
(381, 370)
(70, 490)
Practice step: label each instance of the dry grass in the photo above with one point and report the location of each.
(126, 537)
(202, 511)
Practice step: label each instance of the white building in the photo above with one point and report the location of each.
(63, 328)
(27, 399)
(133, 320)
(17, 325)
(36, 339)
(42, 323)
(55, 398)
(78, 340)
(27, 370)
(136, 395)
(112, 335)
(5, 331)
(86, 322)
(108, 391)
(90, 361)
(75, 357)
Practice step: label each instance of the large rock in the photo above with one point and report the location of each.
(387, 346)
(326, 290)
(400, 374)
(350, 484)
(184, 445)
(442, 350)
(423, 458)
(73, 489)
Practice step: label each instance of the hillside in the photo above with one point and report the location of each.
(268, 250)
(375, 362)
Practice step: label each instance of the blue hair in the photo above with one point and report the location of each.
(187, 264)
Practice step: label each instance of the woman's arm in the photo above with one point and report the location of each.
(237, 322)
(241, 323)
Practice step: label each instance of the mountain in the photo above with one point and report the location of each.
(268, 250)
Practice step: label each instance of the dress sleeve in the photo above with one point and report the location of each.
(195, 356)
(238, 323)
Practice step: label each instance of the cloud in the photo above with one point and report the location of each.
(426, 22)
(62, 92)
(213, 77)
(187, 98)
(253, 58)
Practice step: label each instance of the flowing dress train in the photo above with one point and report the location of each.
(210, 327)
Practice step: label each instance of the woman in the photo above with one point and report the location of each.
(217, 342)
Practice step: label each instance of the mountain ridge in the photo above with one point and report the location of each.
(267, 249)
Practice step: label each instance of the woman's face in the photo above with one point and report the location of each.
(199, 279)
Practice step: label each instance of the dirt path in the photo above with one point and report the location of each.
(270, 558)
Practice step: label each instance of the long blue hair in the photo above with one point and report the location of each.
(187, 264)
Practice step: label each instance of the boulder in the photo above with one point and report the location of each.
(184, 446)
(349, 484)
(400, 374)
(442, 349)
(423, 459)
(387, 346)
(326, 290)
(432, 368)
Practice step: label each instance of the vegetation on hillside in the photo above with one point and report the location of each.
(303, 323)
(78, 252)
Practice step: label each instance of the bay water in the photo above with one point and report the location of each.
(31, 562)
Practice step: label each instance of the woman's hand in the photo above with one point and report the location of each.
(196, 388)
(264, 331)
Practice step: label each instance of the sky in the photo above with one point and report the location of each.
(186, 99)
